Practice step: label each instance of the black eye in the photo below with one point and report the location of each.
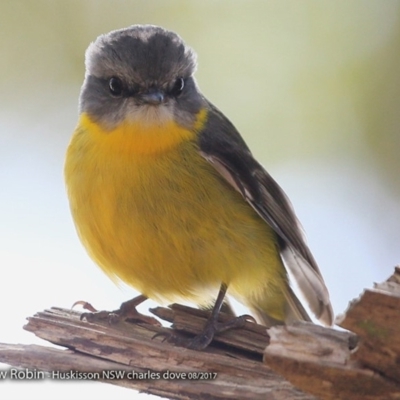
(178, 87)
(116, 86)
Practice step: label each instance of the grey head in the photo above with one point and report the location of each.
(143, 72)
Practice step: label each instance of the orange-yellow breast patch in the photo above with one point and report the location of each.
(141, 138)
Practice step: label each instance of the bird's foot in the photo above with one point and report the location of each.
(202, 340)
(126, 312)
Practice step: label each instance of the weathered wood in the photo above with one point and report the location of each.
(124, 346)
(318, 360)
(326, 363)
(337, 365)
(375, 317)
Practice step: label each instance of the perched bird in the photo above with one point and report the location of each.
(167, 197)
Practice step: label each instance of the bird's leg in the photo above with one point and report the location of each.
(127, 311)
(213, 327)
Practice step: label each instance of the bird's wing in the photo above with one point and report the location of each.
(223, 147)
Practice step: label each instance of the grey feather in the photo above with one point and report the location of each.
(223, 147)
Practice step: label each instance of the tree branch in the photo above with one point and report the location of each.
(322, 362)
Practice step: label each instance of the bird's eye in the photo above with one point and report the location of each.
(178, 87)
(116, 86)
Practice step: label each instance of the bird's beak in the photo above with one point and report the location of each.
(153, 97)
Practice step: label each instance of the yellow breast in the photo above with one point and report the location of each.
(153, 213)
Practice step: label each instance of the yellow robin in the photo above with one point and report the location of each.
(167, 197)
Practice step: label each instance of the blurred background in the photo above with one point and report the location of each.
(313, 87)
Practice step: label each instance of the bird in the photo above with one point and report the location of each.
(167, 197)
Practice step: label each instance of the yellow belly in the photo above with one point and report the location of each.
(168, 224)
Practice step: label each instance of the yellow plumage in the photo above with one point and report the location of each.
(154, 213)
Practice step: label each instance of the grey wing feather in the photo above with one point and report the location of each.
(222, 146)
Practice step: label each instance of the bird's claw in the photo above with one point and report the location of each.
(127, 312)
